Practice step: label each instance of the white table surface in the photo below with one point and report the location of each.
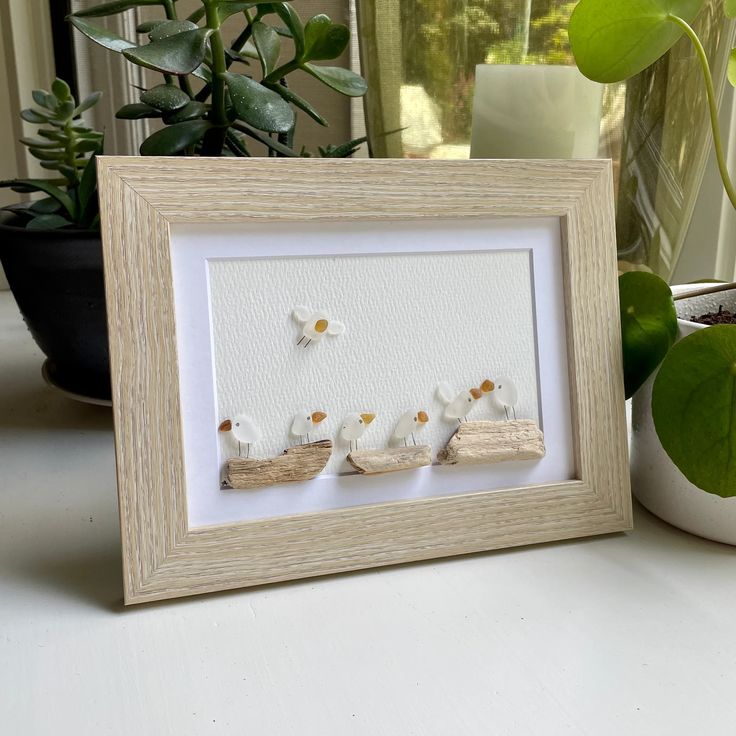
(626, 634)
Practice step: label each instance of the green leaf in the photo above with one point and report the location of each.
(179, 54)
(88, 102)
(344, 150)
(56, 154)
(290, 96)
(148, 25)
(34, 116)
(165, 97)
(293, 23)
(102, 36)
(87, 192)
(61, 90)
(174, 138)
(112, 8)
(342, 80)
(258, 106)
(236, 144)
(226, 8)
(324, 39)
(47, 222)
(729, 8)
(270, 143)
(694, 408)
(169, 28)
(732, 67)
(38, 143)
(191, 111)
(268, 46)
(648, 325)
(44, 99)
(137, 111)
(45, 206)
(612, 41)
(41, 185)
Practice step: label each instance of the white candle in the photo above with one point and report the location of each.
(534, 111)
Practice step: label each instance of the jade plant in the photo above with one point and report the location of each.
(68, 148)
(219, 94)
(694, 392)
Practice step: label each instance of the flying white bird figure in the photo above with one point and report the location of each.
(244, 430)
(353, 427)
(410, 422)
(315, 325)
(506, 396)
(457, 407)
(305, 421)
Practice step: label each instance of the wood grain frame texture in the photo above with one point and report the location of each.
(142, 197)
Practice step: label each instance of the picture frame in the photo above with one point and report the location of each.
(146, 203)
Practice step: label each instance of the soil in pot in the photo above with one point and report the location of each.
(721, 317)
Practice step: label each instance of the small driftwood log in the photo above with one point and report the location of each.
(302, 462)
(370, 462)
(476, 443)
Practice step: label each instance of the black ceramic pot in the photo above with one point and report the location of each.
(56, 278)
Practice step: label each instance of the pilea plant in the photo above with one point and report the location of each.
(67, 147)
(694, 393)
(219, 95)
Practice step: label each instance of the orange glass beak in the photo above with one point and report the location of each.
(321, 325)
(487, 386)
(318, 416)
(475, 393)
(367, 418)
(226, 426)
(423, 417)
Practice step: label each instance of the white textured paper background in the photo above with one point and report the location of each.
(412, 320)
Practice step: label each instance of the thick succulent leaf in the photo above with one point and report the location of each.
(648, 325)
(88, 102)
(694, 408)
(42, 185)
(174, 138)
(47, 155)
(148, 25)
(344, 150)
(342, 80)
(324, 39)
(102, 36)
(165, 97)
(290, 96)
(168, 28)
(44, 99)
(112, 8)
(61, 90)
(48, 222)
(191, 111)
(179, 54)
(293, 23)
(45, 206)
(258, 106)
(202, 72)
(34, 116)
(268, 46)
(732, 67)
(226, 8)
(267, 141)
(612, 41)
(39, 143)
(137, 111)
(729, 7)
(87, 192)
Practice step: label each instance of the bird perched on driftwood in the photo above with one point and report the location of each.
(458, 406)
(506, 396)
(409, 422)
(315, 325)
(353, 427)
(243, 429)
(305, 421)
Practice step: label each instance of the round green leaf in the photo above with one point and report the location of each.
(694, 408)
(102, 36)
(191, 111)
(179, 54)
(343, 80)
(260, 107)
(268, 46)
(165, 97)
(648, 325)
(174, 138)
(168, 28)
(47, 222)
(612, 41)
(324, 39)
(61, 90)
(137, 111)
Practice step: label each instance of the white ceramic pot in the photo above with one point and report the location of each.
(655, 479)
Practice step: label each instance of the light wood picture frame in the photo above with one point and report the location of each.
(143, 199)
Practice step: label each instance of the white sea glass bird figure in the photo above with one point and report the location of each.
(353, 427)
(506, 396)
(305, 421)
(315, 325)
(244, 429)
(409, 422)
(457, 406)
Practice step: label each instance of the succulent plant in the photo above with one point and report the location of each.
(217, 96)
(68, 148)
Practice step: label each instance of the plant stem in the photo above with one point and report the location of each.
(215, 138)
(712, 105)
(282, 71)
(184, 84)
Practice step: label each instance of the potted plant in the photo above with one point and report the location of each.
(680, 365)
(216, 97)
(50, 248)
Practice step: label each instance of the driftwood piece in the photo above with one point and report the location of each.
(370, 462)
(302, 462)
(477, 443)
